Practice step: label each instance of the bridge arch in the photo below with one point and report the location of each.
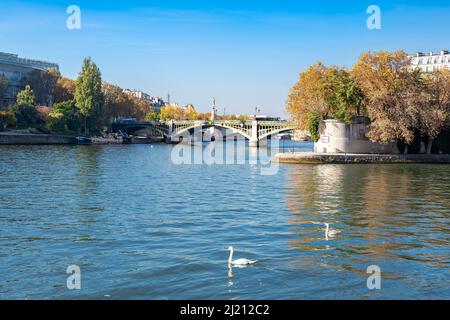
(176, 134)
(265, 135)
(131, 128)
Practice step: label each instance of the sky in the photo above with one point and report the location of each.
(244, 53)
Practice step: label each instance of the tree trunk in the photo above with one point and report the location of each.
(85, 125)
(406, 150)
(430, 145)
(423, 149)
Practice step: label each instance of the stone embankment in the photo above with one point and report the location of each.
(321, 158)
(28, 139)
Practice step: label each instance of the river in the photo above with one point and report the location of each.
(140, 226)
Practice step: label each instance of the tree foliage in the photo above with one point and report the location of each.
(322, 93)
(88, 93)
(7, 118)
(43, 84)
(64, 90)
(432, 101)
(65, 116)
(402, 104)
(26, 97)
(174, 112)
(390, 90)
(152, 115)
(118, 104)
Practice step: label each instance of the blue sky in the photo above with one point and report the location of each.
(245, 53)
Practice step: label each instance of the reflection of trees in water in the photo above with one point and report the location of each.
(87, 184)
(380, 208)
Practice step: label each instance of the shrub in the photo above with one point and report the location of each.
(313, 126)
(26, 114)
(7, 118)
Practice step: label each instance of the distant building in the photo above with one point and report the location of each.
(261, 117)
(430, 62)
(155, 102)
(138, 94)
(16, 69)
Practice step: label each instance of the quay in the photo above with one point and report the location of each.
(32, 139)
(343, 158)
(12, 138)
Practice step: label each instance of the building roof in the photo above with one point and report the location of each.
(11, 58)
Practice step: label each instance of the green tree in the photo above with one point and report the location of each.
(64, 116)
(314, 125)
(322, 93)
(26, 112)
(88, 93)
(342, 95)
(56, 122)
(26, 97)
(152, 115)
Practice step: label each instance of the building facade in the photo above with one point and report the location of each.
(15, 70)
(155, 102)
(430, 62)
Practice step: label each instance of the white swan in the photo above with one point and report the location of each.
(238, 262)
(330, 232)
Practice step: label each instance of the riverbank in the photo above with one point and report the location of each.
(341, 158)
(23, 138)
(31, 139)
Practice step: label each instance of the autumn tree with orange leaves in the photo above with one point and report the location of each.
(401, 103)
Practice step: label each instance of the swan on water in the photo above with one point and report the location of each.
(330, 232)
(238, 262)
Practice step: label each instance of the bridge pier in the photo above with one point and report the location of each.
(253, 143)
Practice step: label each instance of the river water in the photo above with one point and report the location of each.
(141, 227)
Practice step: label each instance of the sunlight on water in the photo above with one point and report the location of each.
(141, 227)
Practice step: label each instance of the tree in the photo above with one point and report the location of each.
(323, 93)
(26, 97)
(88, 93)
(432, 99)
(64, 90)
(342, 95)
(152, 115)
(120, 104)
(172, 112)
(306, 96)
(26, 112)
(7, 118)
(43, 84)
(390, 89)
(56, 122)
(64, 114)
(313, 126)
(190, 112)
